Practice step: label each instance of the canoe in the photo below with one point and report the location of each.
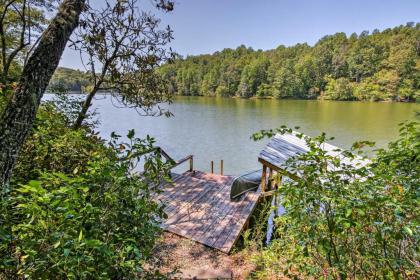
(245, 183)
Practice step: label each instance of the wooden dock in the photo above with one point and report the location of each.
(198, 204)
(198, 207)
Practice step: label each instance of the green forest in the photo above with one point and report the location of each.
(69, 79)
(381, 65)
(377, 66)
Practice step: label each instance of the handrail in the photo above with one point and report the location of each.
(165, 155)
(191, 160)
(168, 158)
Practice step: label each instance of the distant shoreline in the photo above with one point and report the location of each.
(294, 98)
(265, 98)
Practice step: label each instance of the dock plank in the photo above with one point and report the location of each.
(221, 206)
(183, 197)
(237, 225)
(195, 204)
(233, 223)
(198, 215)
(198, 207)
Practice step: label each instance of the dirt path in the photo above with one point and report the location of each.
(192, 260)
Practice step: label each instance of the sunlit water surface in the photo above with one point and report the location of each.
(220, 128)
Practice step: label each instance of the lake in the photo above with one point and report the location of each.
(220, 128)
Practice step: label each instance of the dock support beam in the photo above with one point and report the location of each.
(263, 178)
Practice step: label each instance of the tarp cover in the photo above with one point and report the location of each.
(244, 183)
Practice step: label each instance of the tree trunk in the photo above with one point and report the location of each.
(86, 105)
(19, 114)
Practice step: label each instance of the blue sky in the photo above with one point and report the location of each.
(205, 26)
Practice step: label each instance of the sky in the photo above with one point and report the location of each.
(206, 26)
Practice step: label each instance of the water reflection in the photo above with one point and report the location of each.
(220, 128)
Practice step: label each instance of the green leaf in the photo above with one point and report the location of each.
(35, 184)
(93, 243)
(66, 252)
(83, 188)
(408, 230)
(81, 235)
(56, 244)
(130, 134)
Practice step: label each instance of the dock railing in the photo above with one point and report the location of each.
(189, 158)
(169, 159)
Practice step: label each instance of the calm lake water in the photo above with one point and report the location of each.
(220, 128)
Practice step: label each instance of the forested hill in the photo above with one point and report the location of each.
(69, 79)
(378, 66)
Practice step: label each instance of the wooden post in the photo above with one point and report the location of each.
(263, 179)
(280, 181)
(270, 177)
(212, 167)
(191, 164)
(221, 167)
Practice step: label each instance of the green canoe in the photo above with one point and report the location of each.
(244, 183)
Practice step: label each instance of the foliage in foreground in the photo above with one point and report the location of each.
(344, 221)
(53, 146)
(84, 214)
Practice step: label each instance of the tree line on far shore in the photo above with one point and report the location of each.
(68, 79)
(377, 66)
(382, 65)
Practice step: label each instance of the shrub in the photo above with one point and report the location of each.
(338, 89)
(350, 221)
(53, 146)
(222, 90)
(85, 213)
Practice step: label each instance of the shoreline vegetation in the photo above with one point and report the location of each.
(259, 97)
(377, 66)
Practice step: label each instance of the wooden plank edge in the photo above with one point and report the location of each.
(245, 223)
(175, 231)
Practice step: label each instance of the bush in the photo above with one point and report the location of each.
(338, 89)
(86, 213)
(349, 221)
(222, 90)
(368, 89)
(54, 146)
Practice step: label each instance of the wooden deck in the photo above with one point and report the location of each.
(282, 147)
(199, 208)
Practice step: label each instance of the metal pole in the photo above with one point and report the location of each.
(212, 167)
(221, 167)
